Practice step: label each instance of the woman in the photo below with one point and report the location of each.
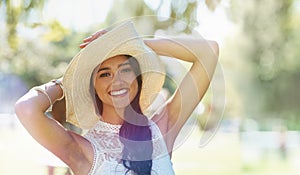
(109, 87)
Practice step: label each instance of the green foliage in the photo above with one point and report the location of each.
(56, 32)
(181, 11)
(269, 44)
(39, 63)
(18, 11)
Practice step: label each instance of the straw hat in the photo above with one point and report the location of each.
(79, 91)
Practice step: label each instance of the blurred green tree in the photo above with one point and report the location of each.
(165, 15)
(18, 11)
(269, 45)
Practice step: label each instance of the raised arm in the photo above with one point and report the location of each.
(203, 54)
(30, 110)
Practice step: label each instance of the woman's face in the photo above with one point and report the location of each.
(115, 82)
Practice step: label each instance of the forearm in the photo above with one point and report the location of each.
(203, 55)
(37, 101)
(186, 49)
(202, 51)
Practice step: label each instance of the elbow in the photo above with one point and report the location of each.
(20, 108)
(23, 110)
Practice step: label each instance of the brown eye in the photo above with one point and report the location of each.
(106, 74)
(126, 70)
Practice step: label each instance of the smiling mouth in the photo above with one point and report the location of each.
(120, 92)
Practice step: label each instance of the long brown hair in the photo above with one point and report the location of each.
(135, 133)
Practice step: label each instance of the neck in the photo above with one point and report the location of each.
(112, 115)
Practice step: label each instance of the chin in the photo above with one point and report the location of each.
(121, 104)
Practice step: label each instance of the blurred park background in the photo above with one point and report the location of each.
(256, 128)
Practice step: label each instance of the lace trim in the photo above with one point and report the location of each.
(92, 170)
(103, 126)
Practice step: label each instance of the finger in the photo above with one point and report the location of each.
(83, 45)
(98, 34)
(91, 38)
(88, 39)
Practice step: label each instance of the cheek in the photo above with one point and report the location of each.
(134, 87)
(100, 88)
(129, 79)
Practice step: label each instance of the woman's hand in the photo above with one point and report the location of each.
(91, 38)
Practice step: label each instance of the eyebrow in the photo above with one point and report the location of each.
(107, 68)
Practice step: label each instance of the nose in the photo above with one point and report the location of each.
(117, 79)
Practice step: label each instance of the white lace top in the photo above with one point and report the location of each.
(108, 151)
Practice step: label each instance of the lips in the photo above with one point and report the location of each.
(120, 92)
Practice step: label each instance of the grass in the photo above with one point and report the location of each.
(220, 156)
(271, 163)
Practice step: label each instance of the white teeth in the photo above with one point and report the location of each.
(119, 92)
